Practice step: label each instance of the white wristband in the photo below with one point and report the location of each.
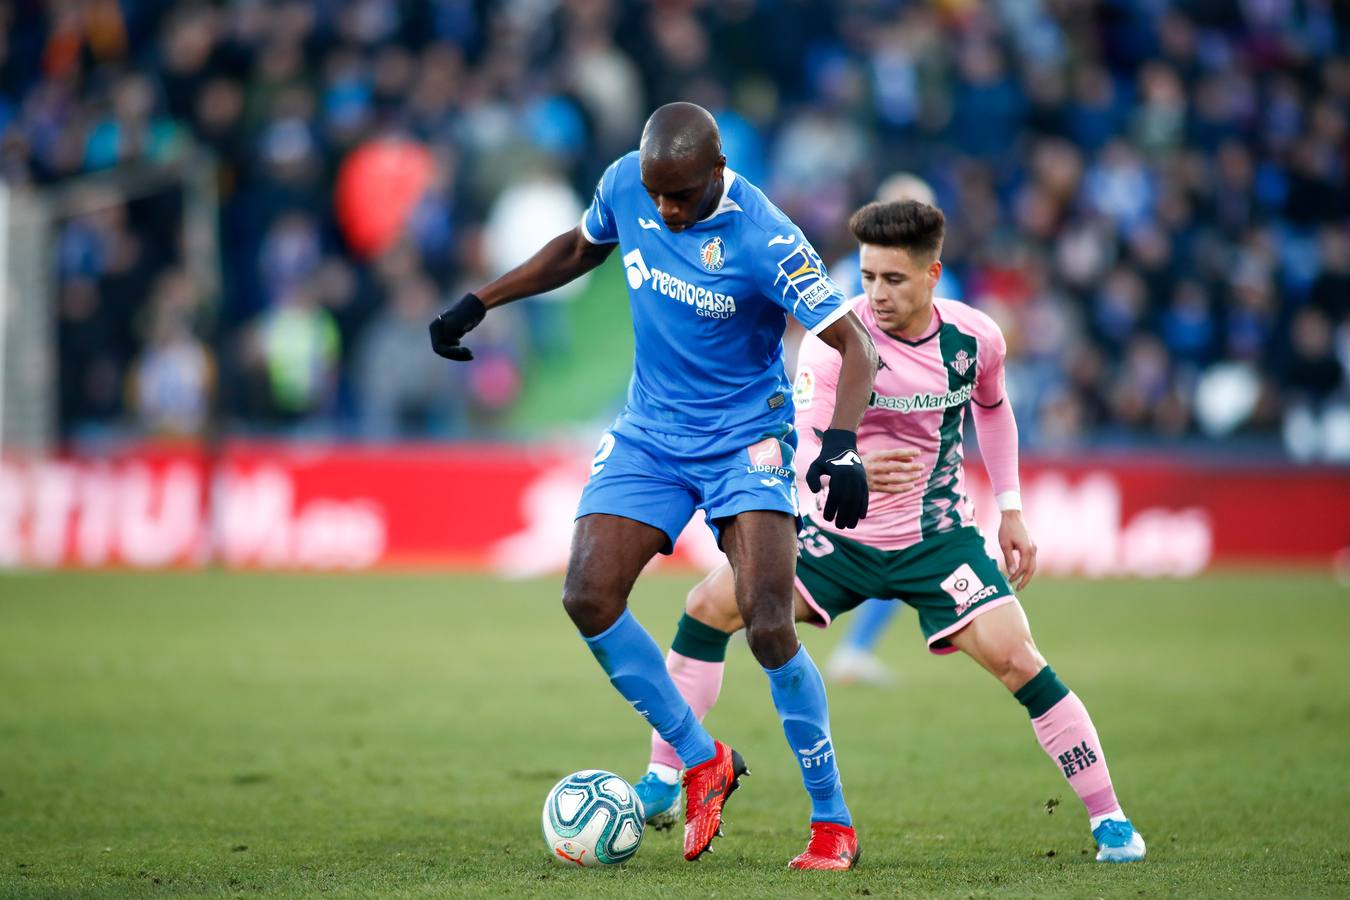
(1009, 500)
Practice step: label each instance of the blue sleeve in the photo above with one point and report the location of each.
(791, 274)
(598, 224)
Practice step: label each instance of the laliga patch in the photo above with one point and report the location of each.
(966, 588)
(713, 254)
(804, 390)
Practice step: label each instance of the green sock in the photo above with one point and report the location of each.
(698, 641)
(1041, 692)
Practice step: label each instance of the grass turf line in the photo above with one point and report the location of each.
(219, 735)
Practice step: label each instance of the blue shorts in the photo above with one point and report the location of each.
(660, 479)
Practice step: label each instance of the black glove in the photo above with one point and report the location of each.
(846, 502)
(453, 324)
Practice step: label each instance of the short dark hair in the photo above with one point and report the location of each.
(908, 224)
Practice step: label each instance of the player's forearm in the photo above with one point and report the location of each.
(857, 371)
(565, 258)
(997, 430)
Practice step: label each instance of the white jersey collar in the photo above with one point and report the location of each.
(726, 204)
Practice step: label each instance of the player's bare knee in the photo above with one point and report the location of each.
(590, 607)
(773, 643)
(712, 607)
(1019, 665)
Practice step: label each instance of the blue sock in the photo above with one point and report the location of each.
(637, 670)
(869, 622)
(799, 694)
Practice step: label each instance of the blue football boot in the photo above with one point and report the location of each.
(1118, 842)
(660, 801)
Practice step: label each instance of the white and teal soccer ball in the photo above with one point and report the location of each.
(592, 818)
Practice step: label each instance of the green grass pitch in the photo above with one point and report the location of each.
(220, 735)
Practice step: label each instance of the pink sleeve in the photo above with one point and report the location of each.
(989, 388)
(997, 431)
(993, 415)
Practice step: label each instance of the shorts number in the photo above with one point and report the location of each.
(811, 540)
(602, 453)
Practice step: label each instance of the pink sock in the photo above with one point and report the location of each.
(1067, 735)
(699, 683)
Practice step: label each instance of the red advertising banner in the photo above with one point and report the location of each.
(509, 509)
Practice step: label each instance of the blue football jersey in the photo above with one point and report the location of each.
(709, 306)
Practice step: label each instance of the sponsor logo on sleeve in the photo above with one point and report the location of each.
(803, 278)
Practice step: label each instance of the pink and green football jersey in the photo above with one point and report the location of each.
(919, 400)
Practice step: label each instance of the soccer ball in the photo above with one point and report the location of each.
(592, 818)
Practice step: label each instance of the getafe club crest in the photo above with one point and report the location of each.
(713, 254)
(962, 362)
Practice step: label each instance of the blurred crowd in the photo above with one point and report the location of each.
(1151, 197)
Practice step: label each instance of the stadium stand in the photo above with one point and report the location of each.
(1150, 197)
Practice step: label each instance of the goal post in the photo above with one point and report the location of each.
(28, 358)
(30, 220)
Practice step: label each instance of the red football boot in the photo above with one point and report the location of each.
(831, 847)
(706, 789)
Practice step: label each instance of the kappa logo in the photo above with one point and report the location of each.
(962, 362)
(649, 224)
